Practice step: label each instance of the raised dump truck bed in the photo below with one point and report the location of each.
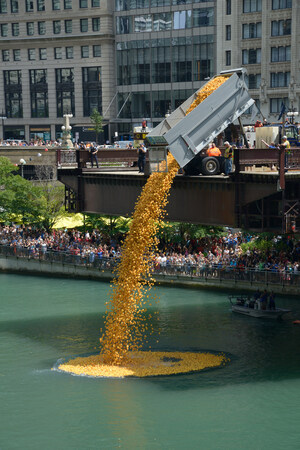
(187, 134)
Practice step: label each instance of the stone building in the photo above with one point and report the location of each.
(264, 37)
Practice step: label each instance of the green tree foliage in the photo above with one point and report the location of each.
(24, 201)
(96, 120)
(107, 225)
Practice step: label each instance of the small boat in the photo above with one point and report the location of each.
(244, 304)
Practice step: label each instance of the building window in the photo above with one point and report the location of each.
(281, 27)
(3, 6)
(5, 55)
(15, 29)
(40, 5)
(203, 17)
(31, 54)
(228, 7)
(276, 104)
(55, 5)
(29, 6)
(84, 25)
(14, 5)
(30, 28)
(85, 51)
(65, 100)
(228, 58)
(56, 26)
(67, 4)
(57, 53)
(4, 29)
(39, 93)
(96, 51)
(280, 79)
(42, 27)
(251, 6)
(92, 90)
(83, 3)
(124, 25)
(95, 3)
(252, 30)
(96, 23)
(228, 32)
(251, 56)
(69, 53)
(43, 53)
(181, 20)
(13, 93)
(162, 21)
(17, 55)
(253, 81)
(279, 54)
(68, 26)
(281, 4)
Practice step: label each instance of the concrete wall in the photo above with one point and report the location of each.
(25, 266)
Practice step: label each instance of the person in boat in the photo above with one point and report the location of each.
(263, 300)
(272, 301)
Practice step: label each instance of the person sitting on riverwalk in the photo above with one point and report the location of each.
(213, 150)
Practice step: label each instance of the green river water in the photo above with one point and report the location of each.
(252, 403)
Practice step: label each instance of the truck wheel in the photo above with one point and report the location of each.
(210, 166)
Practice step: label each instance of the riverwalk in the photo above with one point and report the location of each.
(61, 264)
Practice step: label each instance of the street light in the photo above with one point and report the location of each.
(292, 113)
(22, 162)
(3, 117)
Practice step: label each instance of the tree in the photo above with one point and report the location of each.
(96, 120)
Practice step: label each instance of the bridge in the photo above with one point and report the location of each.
(261, 194)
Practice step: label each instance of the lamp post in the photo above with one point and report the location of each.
(3, 117)
(66, 132)
(22, 162)
(292, 113)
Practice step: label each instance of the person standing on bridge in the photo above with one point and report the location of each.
(141, 158)
(213, 150)
(93, 153)
(228, 155)
(287, 150)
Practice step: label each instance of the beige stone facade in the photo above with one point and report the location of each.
(273, 27)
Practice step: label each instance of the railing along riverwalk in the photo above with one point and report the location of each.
(187, 271)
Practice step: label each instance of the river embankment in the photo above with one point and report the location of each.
(233, 281)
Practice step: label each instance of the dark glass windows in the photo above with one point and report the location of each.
(92, 90)
(39, 93)
(65, 100)
(13, 93)
(96, 23)
(279, 54)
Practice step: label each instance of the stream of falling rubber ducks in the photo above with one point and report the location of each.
(126, 325)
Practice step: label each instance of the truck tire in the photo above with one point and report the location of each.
(210, 166)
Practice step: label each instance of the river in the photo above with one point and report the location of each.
(252, 403)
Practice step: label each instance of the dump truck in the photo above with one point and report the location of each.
(189, 130)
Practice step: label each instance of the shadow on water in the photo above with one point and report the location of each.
(260, 350)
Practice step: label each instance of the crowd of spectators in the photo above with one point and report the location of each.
(211, 252)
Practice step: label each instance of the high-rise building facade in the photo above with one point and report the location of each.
(137, 59)
(57, 57)
(264, 37)
(165, 49)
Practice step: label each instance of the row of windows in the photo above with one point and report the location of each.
(59, 53)
(253, 56)
(255, 5)
(65, 92)
(41, 5)
(253, 30)
(40, 27)
(278, 79)
(176, 20)
(127, 5)
(164, 60)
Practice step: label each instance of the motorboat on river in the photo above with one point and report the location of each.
(245, 304)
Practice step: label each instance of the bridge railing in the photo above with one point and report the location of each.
(127, 158)
(181, 271)
(106, 157)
